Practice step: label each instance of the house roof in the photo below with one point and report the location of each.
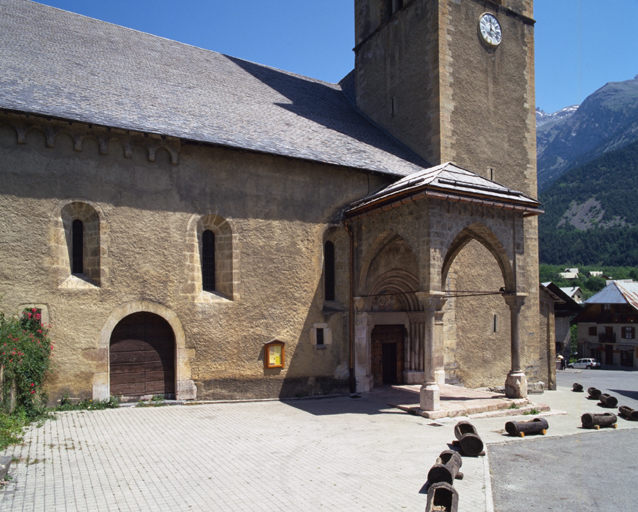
(616, 293)
(64, 65)
(569, 306)
(554, 296)
(572, 290)
(450, 182)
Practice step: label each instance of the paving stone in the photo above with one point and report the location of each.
(333, 454)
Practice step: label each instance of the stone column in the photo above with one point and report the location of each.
(362, 354)
(430, 392)
(414, 371)
(516, 382)
(439, 348)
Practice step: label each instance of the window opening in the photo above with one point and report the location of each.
(329, 274)
(495, 323)
(397, 5)
(78, 247)
(208, 261)
(320, 339)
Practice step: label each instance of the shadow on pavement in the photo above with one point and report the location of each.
(625, 392)
(343, 405)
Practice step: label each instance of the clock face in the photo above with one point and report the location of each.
(490, 29)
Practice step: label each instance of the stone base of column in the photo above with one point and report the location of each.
(412, 377)
(364, 383)
(516, 385)
(439, 377)
(430, 397)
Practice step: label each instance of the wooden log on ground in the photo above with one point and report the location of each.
(606, 400)
(595, 420)
(469, 441)
(594, 394)
(628, 413)
(442, 497)
(577, 387)
(446, 468)
(522, 428)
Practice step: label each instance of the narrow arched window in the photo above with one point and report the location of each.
(208, 260)
(329, 273)
(78, 247)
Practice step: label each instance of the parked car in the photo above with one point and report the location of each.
(587, 363)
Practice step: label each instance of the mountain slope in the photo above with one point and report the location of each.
(592, 212)
(606, 120)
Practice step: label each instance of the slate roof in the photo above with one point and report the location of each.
(449, 181)
(616, 293)
(64, 65)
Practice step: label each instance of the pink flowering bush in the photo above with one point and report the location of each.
(25, 356)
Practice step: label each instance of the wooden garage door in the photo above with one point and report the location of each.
(142, 357)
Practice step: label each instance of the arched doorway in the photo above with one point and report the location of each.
(391, 313)
(387, 354)
(142, 357)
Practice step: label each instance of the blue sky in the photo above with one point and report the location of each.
(580, 44)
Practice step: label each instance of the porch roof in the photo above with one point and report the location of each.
(449, 182)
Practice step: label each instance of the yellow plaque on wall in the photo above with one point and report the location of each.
(274, 354)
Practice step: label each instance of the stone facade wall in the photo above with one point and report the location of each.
(397, 73)
(150, 205)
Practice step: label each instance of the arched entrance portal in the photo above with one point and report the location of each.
(142, 357)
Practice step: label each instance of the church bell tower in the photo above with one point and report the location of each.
(453, 80)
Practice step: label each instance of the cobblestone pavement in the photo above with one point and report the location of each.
(330, 454)
(325, 454)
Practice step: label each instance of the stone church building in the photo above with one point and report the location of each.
(197, 226)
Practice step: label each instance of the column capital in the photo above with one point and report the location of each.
(431, 301)
(359, 303)
(515, 300)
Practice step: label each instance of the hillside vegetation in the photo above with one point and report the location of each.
(592, 213)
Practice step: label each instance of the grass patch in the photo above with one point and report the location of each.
(12, 428)
(533, 411)
(66, 404)
(12, 425)
(156, 401)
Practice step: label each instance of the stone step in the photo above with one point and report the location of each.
(480, 409)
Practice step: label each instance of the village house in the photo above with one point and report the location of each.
(607, 325)
(569, 273)
(573, 292)
(196, 226)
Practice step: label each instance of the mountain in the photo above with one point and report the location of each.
(543, 118)
(605, 121)
(591, 212)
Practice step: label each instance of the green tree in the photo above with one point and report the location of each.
(573, 336)
(595, 284)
